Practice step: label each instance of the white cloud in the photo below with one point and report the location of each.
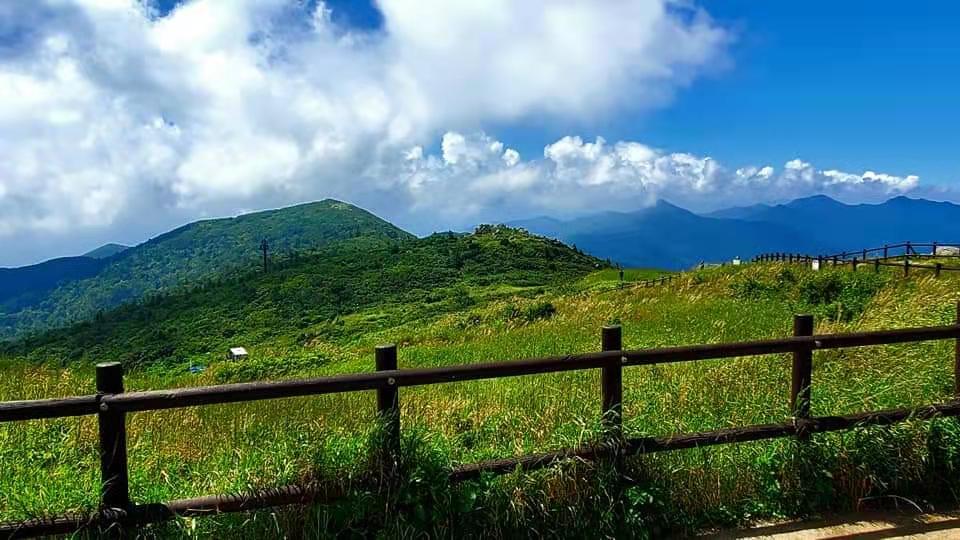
(575, 176)
(117, 123)
(110, 113)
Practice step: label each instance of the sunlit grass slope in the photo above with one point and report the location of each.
(51, 466)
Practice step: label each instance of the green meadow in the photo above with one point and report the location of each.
(51, 466)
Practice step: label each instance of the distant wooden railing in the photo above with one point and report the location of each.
(111, 405)
(653, 282)
(876, 257)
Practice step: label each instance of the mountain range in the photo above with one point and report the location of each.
(316, 296)
(667, 236)
(60, 291)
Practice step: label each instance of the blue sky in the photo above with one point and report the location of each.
(123, 122)
(858, 85)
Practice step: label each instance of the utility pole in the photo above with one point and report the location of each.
(264, 247)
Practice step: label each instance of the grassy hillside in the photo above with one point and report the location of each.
(308, 297)
(52, 465)
(187, 255)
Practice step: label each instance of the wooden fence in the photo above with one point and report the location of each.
(111, 405)
(904, 253)
(653, 282)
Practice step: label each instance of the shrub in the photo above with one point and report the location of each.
(839, 295)
(460, 297)
(751, 287)
(528, 313)
(540, 310)
(254, 369)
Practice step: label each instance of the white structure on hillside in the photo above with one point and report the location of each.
(237, 353)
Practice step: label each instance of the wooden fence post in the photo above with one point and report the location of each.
(908, 250)
(956, 360)
(906, 267)
(611, 398)
(802, 375)
(611, 380)
(864, 255)
(853, 264)
(876, 266)
(611, 408)
(112, 428)
(933, 251)
(886, 249)
(936, 269)
(388, 408)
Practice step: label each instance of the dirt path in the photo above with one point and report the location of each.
(866, 526)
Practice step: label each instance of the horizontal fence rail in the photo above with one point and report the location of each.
(111, 405)
(904, 253)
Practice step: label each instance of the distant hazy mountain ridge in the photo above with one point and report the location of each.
(106, 250)
(665, 235)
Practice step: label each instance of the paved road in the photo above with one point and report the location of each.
(866, 526)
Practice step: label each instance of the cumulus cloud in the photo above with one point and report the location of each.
(118, 122)
(111, 112)
(576, 176)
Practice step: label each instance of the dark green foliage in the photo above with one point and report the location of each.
(21, 287)
(256, 369)
(529, 313)
(301, 298)
(835, 294)
(839, 295)
(223, 249)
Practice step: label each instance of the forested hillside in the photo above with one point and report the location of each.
(302, 298)
(20, 287)
(187, 255)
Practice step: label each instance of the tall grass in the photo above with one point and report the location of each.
(50, 466)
